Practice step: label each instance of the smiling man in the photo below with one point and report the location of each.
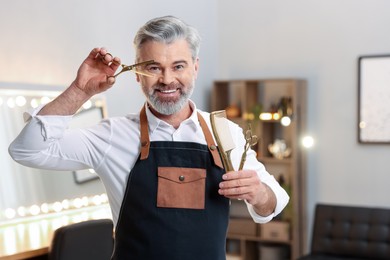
(175, 71)
(168, 191)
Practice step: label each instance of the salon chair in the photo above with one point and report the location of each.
(350, 232)
(91, 239)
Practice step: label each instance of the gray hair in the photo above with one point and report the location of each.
(167, 29)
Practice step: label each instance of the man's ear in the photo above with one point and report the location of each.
(137, 77)
(196, 67)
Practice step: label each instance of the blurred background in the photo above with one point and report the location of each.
(43, 43)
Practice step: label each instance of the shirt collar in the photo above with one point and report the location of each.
(154, 122)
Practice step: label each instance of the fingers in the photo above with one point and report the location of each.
(105, 57)
(110, 63)
(239, 185)
(116, 62)
(110, 80)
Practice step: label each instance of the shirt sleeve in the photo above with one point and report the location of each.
(46, 142)
(252, 163)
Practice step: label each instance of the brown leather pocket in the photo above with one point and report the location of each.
(181, 188)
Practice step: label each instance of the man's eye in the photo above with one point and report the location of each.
(179, 67)
(153, 69)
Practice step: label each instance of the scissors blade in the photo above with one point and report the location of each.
(132, 68)
(143, 73)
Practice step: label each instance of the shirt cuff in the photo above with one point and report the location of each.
(52, 126)
(282, 199)
(256, 217)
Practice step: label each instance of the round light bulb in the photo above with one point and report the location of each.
(34, 103)
(34, 210)
(87, 104)
(21, 211)
(308, 141)
(285, 121)
(45, 100)
(57, 206)
(20, 101)
(11, 102)
(10, 213)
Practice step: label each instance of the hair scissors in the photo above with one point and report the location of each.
(251, 140)
(133, 68)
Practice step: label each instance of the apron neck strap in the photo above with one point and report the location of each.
(210, 142)
(145, 141)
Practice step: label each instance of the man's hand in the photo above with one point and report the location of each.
(246, 185)
(94, 73)
(93, 77)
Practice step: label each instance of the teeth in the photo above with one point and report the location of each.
(168, 91)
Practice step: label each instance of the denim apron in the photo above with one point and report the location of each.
(171, 208)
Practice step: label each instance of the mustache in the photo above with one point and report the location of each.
(162, 86)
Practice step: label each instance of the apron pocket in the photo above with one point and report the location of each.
(181, 188)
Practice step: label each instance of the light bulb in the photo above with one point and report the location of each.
(10, 213)
(34, 210)
(20, 101)
(285, 121)
(87, 104)
(307, 141)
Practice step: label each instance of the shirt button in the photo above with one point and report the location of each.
(181, 178)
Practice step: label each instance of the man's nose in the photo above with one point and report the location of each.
(167, 77)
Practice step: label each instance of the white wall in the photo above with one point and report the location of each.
(44, 42)
(319, 41)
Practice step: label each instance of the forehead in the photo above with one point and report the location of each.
(164, 53)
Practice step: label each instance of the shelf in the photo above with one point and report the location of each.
(233, 257)
(271, 160)
(247, 99)
(257, 239)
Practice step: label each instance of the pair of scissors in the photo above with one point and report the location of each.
(133, 68)
(251, 140)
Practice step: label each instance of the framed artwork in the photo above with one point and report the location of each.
(374, 99)
(83, 176)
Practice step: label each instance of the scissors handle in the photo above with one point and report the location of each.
(251, 140)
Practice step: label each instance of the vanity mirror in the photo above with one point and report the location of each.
(25, 191)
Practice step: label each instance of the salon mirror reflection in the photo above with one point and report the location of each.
(27, 191)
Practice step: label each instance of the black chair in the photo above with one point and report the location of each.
(91, 239)
(350, 232)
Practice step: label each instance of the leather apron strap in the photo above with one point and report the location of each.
(145, 141)
(210, 142)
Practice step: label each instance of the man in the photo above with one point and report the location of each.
(167, 189)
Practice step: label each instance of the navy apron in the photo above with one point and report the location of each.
(171, 208)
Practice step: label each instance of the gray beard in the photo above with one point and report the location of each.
(168, 107)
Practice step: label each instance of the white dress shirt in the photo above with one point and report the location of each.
(112, 147)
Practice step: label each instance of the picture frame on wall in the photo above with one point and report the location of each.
(374, 99)
(83, 176)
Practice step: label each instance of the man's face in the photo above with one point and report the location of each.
(174, 75)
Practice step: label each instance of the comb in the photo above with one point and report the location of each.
(223, 137)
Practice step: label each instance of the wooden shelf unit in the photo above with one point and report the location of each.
(248, 95)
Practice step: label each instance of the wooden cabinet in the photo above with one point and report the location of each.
(276, 110)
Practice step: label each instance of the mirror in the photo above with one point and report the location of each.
(23, 188)
(374, 99)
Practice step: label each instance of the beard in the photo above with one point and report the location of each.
(168, 106)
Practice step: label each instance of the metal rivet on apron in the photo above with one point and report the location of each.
(144, 143)
(213, 147)
(181, 178)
